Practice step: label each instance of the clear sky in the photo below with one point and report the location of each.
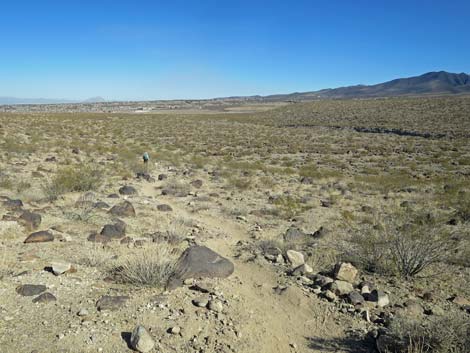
(197, 49)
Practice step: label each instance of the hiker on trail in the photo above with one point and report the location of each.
(146, 157)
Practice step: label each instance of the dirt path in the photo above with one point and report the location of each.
(284, 322)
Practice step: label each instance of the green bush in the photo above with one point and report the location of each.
(73, 179)
(401, 243)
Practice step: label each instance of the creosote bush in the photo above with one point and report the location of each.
(150, 266)
(447, 334)
(73, 179)
(403, 243)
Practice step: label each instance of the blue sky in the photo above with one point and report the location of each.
(196, 49)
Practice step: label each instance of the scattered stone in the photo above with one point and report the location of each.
(215, 305)
(59, 268)
(341, 287)
(197, 183)
(379, 297)
(123, 209)
(162, 177)
(100, 205)
(39, 237)
(141, 340)
(83, 312)
(28, 290)
(114, 231)
(295, 258)
(461, 301)
(113, 196)
(200, 302)
(330, 295)
(108, 302)
(145, 176)
(30, 220)
(75, 150)
(164, 208)
(344, 271)
(127, 190)
(198, 262)
(304, 269)
(355, 298)
(175, 330)
(413, 309)
(45, 297)
(323, 281)
(13, 204)
(294, 234)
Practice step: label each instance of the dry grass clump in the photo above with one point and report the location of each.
(73, 178)
(403, 243)
(448, 334)
(150, 266)
(96, 256)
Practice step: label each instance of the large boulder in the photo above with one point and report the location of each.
(123, 209)
(199, 262)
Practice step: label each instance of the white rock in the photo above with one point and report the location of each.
(295, 258)
(59, 268)
(344, 271)
(216, 305)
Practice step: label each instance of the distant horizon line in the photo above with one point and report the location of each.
(100, 99)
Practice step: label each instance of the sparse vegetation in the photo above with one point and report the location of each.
(74, 178)
(151, 266)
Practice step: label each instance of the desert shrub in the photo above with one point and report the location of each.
(403, 243)
(74, 178)
(241, 183)
(448, 334)
(288, 206)
(176, 187)
(96, 256)
(151, 266)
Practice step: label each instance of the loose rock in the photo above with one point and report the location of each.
(28, 290)
(141, 340)
(45, 298)
(295, 258)
(39, 237)
(127, 190)
(107, 302)
(124, 209)
(345, 272)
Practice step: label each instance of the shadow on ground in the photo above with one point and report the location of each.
(348, 344)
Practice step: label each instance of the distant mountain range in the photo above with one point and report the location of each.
(14, 100)
(431, 83)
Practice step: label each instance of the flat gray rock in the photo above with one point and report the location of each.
(45, 298)
(107, 302)
(28, 290)
(200, 262)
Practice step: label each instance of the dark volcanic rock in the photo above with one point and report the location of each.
(13, 204)
(45, 298)
(30, 220)
(107, 302)
(114, 231)
(28, 290)
(113, 196)
(162, 177)
(164, 208)
(197, 183)
(124, 209)
(39, 237)
(199, 262)
(145, 176)
(100, 205)
(127, 190)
